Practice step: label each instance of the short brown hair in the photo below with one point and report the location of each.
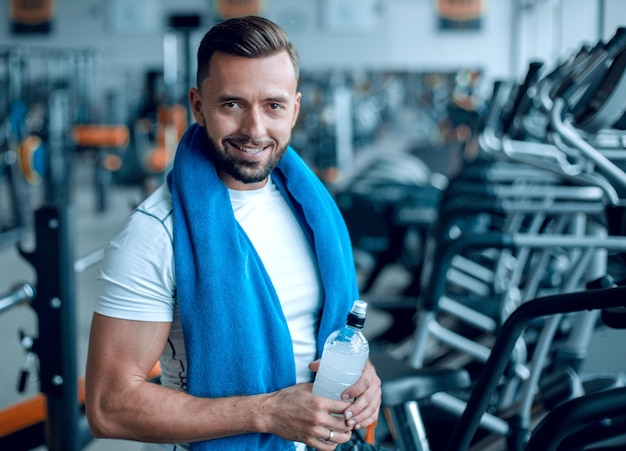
(249, 36)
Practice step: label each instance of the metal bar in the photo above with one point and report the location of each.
(55, 306)
(511, 330)
(21, 294)
(88, 260)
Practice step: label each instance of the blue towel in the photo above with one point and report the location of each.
(235, 333)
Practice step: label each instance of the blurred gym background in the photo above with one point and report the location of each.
(93, 99)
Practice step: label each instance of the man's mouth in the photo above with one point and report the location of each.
(250, 149)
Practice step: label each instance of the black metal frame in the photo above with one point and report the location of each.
(486, 384)
(54, 303)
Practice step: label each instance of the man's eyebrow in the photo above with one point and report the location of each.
(235, 98)
(229, 98)
(279, 98)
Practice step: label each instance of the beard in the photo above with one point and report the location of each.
(244, 171)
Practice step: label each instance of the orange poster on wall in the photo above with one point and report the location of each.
(460, 14)
(226, 9)
(31, 16)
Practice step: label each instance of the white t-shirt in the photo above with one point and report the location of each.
(137, 275)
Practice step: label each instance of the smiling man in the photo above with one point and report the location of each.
(231, 275)
(248, 108)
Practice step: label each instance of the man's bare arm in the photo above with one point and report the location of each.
(122, 403)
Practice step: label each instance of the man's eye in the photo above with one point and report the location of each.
(275, 106)
(231, 104)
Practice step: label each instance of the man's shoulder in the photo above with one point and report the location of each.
(156, 208)
(158, 204)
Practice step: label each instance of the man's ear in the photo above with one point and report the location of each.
(195, 100)
(296, 111)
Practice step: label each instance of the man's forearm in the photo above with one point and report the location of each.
(152, 413)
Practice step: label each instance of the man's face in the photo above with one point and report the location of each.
(248, 107)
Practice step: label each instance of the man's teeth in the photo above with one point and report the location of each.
(251, 150)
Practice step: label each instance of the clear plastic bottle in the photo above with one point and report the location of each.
(344, 355)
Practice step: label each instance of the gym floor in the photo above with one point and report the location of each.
(93, 231)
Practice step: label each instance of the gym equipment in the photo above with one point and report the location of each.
(583, 421)
(108, 141)
(532, 217)
(54, 304)
(46, 92)
(12, 215)
(166, 113)
(36, 153)
(55, 416)
(33, 159)
(404, 385)
(390, 201)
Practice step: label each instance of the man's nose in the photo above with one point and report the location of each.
(252, 124)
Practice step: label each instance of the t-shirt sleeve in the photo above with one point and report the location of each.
(136, 279)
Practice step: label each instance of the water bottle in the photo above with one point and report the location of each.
(344, 355)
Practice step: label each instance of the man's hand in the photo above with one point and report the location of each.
(296, 414)
(366, 393)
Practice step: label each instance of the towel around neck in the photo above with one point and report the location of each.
(236, 337)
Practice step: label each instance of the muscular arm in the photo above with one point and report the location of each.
(122, 403)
